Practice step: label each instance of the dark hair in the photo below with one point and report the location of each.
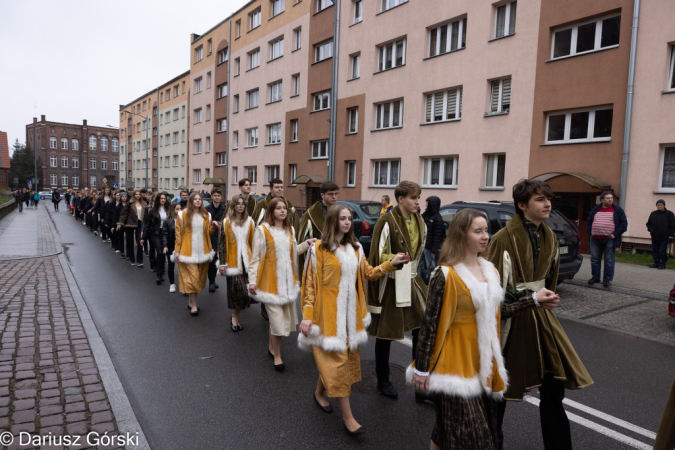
(406, 188)
(155, 207)
(525, 189)
(605, 194)
(275, 181)
(328, 186)
(181, 192)
(243, 181)
(216, 190)
(144, 191)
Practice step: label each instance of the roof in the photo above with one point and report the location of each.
(155, 89)
(591, 181)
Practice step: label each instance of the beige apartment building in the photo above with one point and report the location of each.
(136, 134)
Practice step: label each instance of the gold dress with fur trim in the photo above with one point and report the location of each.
(334, 299)
(193, 244)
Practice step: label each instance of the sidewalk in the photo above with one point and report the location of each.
(631, 279)
(53, 376)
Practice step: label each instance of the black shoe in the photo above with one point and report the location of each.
(327, 409)
(215, 285)
(233, 327)
(212, 288)
(263, 312)
(239, 327)
(421, 397)
(606, 283)
(654, 266)
(356, 432)
(159, 280)
(194, 313)
(280, 367)
(593, 281)
(661, 267)
(386, 389)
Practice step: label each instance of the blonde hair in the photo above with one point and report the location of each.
(232, 214)
(454, 246)
(331, 228)
(191, 209)
(269, 213)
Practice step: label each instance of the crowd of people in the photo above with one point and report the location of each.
(480, 311)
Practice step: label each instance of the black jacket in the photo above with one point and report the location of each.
(56, 197)
(661, 224)
(217, 214)
(109, 215)
(169, 235)
(152, 226)
(435, 225)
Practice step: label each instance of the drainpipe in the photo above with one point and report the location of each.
(629, 104)
(333, 92)
(227, 105)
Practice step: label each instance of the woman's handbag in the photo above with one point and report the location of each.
(670, 249)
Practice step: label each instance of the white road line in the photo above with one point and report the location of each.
(598, 428)
(610, 419)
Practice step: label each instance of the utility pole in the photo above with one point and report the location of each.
(35, 147)
(334, 92)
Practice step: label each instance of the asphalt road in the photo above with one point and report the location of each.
(193, 383)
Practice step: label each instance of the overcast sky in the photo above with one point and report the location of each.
(78, 59)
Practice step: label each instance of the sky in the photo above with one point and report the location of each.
(77, 59)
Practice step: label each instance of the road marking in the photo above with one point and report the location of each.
(598, 428)
(611, 419)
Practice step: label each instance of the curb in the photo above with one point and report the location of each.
(621, 290)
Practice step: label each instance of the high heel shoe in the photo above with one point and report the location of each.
(327, 409)
(234, 327)
(280, 367)
(194, 313)
(358, 431)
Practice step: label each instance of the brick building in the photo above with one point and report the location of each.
(74, 155)
(4, 161)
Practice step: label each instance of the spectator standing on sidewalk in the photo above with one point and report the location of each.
(36, 199)
(56, 198)
(386, 205)
(28, 197)
(19, 200)
(606, 223)
(661, 226)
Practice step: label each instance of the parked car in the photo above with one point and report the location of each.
(499, 213)
(45, 194)
(364, 215)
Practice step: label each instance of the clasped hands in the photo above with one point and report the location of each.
(547, 299)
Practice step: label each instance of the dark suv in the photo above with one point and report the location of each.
(498, 213)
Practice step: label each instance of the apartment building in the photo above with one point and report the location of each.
(74, 156)
(138, 122)
(171, 131)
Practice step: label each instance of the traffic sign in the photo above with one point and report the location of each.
(116, 185)
(30, 183)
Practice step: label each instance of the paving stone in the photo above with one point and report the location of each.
(76, 417)
(72, 390)
(18, 428)
(70, 383)
(24, 374)
(74, 398)
(50, 401)
(94, 396)
(24, 416)
(49, 410)
(103, 427)
(28, 384)
(25, 393)
(90, 379)
(98, 406)
(48, 421)
(93, 388)
(75, 407)
(104, 416)
(77, 428)
(47, 393)
(21, 405)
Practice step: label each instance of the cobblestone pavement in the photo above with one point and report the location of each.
(637, 315)
(21, 235)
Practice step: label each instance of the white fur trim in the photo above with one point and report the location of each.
(450, 384)
(367, 320)
(240, 235)
(288, 289)
(197, 256)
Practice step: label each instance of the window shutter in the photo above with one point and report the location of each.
(428, 110)
(494, 100)
(452, 104)
(438, 106)
(506, 94)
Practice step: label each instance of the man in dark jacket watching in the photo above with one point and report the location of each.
(217, 211)
(435, 236)
(661, 226)
(606, 223)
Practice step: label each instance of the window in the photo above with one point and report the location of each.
(208, 112)
(167, 183)
(235, 140)
(222, 90)
(64, 162)
(237, 66)
(294, 130)
(252, 137)
(196, 176)
(252, 173)
(175, 160)
(323, 51)
(275, 91)
(182, 112)
(579, 126)
(52, 143)
(92, 142)
(235, 170)
(199, 55)
(75, 162)
(197, 146)
(500, 96)
(224, 55)
(293, 169)
(222, 125)
(440, 172)
(353, 120)
(447, 37)
(167, 162)
(272, 173)
(254, 59)
(297, 38)
(277, 48)
(208, 145)
(391, 55)
(208, 80)
(355, 70)
(198, 115)
(116, 144)
(76, 144)
(52, 179)
(274, 133)
(167, 139)
(351, 173)
(252, 99)
(388, 4)
(52, 161)
(358, 11)
(505, 20)
(443, 105)
(235, 107)
(92, 163)
(586, 37)
(320, 150)
(176, 91)
(104, 144)
(154, 110)
(175, 183)
(668, 169)
(182, 136)
(494, 170)
(386, 172)
(198, 85)
(76, 180)
(64, 180)
(295, 82)
(210, 46)
(671, 78)
(220, 159)
(389, 115)
(323, 4)
(145, 104)
(167, 117)
(237, 29)
(322, 101)
(64, 143)
(254, 19)
(277, 7)
(176, 114)
(104, 164)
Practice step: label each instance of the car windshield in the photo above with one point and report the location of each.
(556, 222)
(372, 210)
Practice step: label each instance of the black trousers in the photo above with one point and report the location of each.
(213, 270)
(171, 268)
(156, 246)
(382, 350)
(133, 235)
(555, 426)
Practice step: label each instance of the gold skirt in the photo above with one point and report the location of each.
(338, 371)
(192, 277)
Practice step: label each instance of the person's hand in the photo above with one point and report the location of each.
(547, 299)
(142, 242)
(216, 224)
(421, 383)
(305, 326)
(165, 250)
(433, 256)
(253, 289)
(612, 236)
(221, 270)
(176, 257)
(311, 241)
(401, 258)
(118, 227)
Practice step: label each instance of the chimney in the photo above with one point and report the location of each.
(43, 118)
(34, 120)
(84, 123)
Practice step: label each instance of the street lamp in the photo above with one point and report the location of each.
(147, 144)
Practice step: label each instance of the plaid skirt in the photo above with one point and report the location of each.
(465, 423)
(237, 292)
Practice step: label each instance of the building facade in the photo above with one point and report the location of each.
(74, 156)
(138, 124)
(4, 161)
